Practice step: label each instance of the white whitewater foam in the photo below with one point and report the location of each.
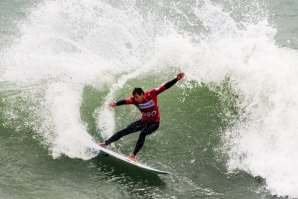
(64, 46)
(264, 76)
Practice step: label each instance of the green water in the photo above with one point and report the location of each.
(188, 143)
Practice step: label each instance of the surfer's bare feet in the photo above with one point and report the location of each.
(132, 157)
(102, 144)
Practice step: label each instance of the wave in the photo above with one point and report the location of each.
(65, 46)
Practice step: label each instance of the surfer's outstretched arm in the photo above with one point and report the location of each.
(118, 103)
(121, 102)
(155, 91)
(169, 84)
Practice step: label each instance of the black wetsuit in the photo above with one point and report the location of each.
(146, 127)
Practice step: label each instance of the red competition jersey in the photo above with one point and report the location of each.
(149, 108)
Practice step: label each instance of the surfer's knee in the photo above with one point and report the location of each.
(150, 129)
(143, 134)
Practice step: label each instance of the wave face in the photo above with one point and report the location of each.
(62, 48)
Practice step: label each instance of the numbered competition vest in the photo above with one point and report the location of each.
(149, 108)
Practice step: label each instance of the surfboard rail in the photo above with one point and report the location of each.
(98, 150)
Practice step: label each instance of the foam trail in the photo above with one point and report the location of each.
(67, 132)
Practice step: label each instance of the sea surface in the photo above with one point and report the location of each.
(228, 130)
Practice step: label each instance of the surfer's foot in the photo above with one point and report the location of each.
(132, 157)
(102, 144)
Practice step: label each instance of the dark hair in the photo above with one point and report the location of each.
(138, 91)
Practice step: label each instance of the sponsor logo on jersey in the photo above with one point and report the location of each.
(146, 105)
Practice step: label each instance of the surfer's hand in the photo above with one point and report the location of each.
(113, 104)
(102, 144)
(180, 76)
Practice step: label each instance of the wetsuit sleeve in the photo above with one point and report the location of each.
(125, 101)
(120, 102)
(171, 83)
(165, 86)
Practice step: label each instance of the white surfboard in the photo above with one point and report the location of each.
(98, 150)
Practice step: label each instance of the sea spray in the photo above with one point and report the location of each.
(67, 45)
(63, 47)
(263, 76)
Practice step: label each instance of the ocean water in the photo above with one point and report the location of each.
(228, 129)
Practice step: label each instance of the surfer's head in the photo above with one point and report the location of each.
(138, 94)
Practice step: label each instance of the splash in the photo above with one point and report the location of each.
(67, 45)
(263, 76)
(63, 47)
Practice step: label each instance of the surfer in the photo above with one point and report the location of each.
(147, 103)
